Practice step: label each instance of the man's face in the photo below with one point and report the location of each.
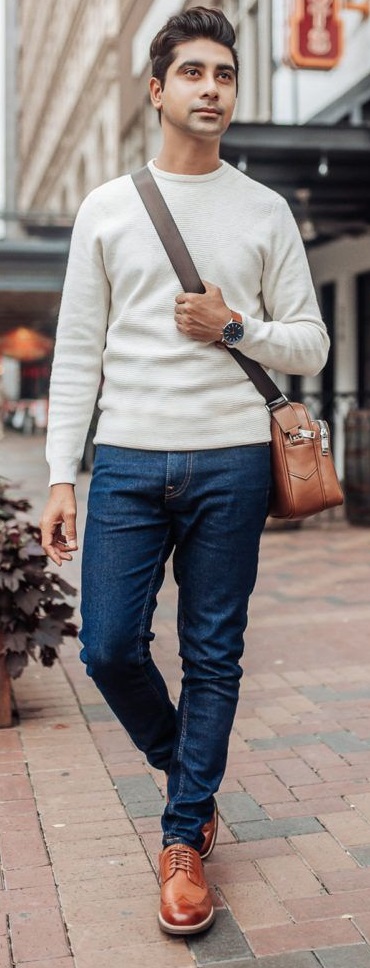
(199, 93)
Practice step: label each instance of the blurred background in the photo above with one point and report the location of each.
(75, 111)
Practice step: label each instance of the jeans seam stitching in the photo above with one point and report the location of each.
(159, 561)
(186, 481)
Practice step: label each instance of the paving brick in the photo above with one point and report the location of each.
(137, 789)
(319, 694)
(267, 829)
(354, 880)
(38, 935)
(290, 877)
(24, 877)
(166, 954)
(322, 853)
(27, 899)
(23, 848)
(344, 742)
(115, 883)
(114, 934)
(362, 922)
(104, 847)
(71, 868)
(254, 905)
(346, 904)
(362, 803)
(5, 958)
(347, 773)
(98, 713)
(145, 808)
(284, 742)
(295, 773)
(266, 789)
(306, 808)
(300, 959)
(75, 833)
(348, 827)
(297, 704)
(351, 956)
(274, 715)
(16, 788)
(362, 855)
(344, 788)
(300, 677)
(319, 756)
(50, 963)
(225, 940)
(239, 807)
(253, 728)
(304, 936)
(120, 908)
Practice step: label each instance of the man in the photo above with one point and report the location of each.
(182, 459)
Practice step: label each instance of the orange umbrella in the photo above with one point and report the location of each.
(25, 345)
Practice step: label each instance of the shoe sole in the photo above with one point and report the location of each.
(213, 841)
(186, 929)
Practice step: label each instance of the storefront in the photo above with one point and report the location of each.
(324, 173)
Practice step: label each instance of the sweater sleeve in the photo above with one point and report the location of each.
(294, 340)
(80, 340)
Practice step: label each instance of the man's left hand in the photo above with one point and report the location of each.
(202, 316)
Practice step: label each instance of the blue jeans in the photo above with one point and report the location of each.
(209, 508)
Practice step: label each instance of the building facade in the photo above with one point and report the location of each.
(68, 101)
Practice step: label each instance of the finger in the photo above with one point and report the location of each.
(70, 530)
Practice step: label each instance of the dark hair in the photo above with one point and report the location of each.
(196, 22)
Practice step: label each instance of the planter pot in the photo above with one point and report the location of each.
(5, 695)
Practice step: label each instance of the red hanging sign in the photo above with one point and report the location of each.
(316, 34)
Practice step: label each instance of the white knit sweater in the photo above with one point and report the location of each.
(161, 389)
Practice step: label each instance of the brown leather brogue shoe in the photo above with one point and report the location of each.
(209, 831)
(186, 905)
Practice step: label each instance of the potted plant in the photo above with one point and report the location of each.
(35, 606)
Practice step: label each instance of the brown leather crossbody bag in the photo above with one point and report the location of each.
(303, 472)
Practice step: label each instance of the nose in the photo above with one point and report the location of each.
(209, 86)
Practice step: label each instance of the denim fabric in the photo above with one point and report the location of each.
(208, 508)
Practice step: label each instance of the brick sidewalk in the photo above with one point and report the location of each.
(80, 810)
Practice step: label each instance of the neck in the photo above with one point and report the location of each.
(195, 157)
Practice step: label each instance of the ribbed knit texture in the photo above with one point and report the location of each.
(163, 390)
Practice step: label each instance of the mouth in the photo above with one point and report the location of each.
(211, 112)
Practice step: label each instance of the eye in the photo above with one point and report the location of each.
(192, 71)
(225, 76)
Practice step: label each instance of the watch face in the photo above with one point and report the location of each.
(233, 332)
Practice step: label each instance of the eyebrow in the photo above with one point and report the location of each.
(198, 63)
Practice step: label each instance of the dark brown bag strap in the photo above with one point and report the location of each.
(184, 267)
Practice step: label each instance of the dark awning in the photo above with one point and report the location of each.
(31, 279)
(322, 171)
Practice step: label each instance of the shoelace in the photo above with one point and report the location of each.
(180, 857)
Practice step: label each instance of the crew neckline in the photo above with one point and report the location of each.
(174, 176)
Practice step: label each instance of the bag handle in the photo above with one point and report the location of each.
(187, 273)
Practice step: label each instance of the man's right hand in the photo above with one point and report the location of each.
(58, 524)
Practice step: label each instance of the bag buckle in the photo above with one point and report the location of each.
(275, 404)
(302, 435)
(324, 436)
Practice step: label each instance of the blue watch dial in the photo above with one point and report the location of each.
(233, 332)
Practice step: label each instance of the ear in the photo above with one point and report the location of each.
(156, 92)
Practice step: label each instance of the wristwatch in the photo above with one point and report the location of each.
(233, 332)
